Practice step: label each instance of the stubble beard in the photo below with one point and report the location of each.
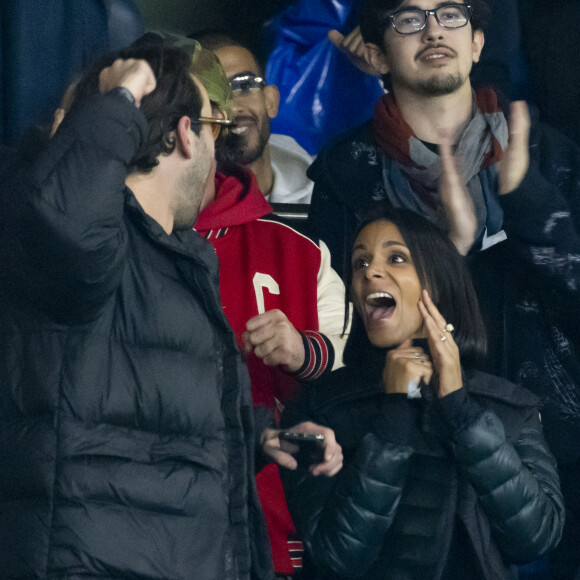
(439, 86)
(236, 150)
(190, 191)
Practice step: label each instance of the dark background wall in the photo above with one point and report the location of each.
(244, 18)
(45, 44)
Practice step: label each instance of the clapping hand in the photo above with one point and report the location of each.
(516, 158)
(456, 201)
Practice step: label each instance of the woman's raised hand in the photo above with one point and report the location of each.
(443, 349)
(404, 368)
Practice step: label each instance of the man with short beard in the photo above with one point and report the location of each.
(126, 423)
(277, 161)
(424, 52)
(504, 186)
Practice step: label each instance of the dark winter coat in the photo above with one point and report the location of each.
(461, 487)
(126, 443)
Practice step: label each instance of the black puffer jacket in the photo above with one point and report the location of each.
(126, 444)
(427, 489)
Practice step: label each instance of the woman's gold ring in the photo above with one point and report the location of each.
(449, 327)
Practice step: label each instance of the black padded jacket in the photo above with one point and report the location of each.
(464, 483)
(126, 443)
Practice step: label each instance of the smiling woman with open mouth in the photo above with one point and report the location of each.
(446, 473)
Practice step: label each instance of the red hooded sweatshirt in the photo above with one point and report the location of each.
(265, 264)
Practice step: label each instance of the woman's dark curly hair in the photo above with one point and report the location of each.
(441, 270)
(176, 95)
(374, 17)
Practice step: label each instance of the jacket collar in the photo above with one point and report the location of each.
(184, 242)
(238, 201)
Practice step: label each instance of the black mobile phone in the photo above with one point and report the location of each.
(307, 448)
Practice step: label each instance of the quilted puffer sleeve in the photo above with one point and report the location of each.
(343, 519)
(72, 236)
(516, 483)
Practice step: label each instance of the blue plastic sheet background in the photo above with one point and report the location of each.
(321, 93)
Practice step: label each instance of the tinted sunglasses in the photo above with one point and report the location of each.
(245, 84)
(216, 124)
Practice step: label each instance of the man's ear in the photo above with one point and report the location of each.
(272, 98)
(477, 45)
(183, 137)
(219, 114)
(375, 58)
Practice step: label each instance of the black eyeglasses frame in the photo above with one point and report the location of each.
(427, 13)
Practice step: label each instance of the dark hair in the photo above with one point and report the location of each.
(442, 270)
(374, 21)
(175, 96)
(212, 39)
(215, 39)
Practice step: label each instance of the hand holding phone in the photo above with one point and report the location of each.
(326, 458)
(306, 448)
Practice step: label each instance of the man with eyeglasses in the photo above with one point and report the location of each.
(504, 186)
(425, 51)
(277, 161)
(282, 298)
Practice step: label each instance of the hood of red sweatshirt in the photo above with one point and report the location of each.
(238, 201)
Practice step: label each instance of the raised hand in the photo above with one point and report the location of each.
(456, 201)
(405, 367)
(134, 75)
(516, 158)
(352, 45)
(273, 338)
(443, 349)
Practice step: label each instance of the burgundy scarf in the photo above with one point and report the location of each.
(392, 132)
(413, 170)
